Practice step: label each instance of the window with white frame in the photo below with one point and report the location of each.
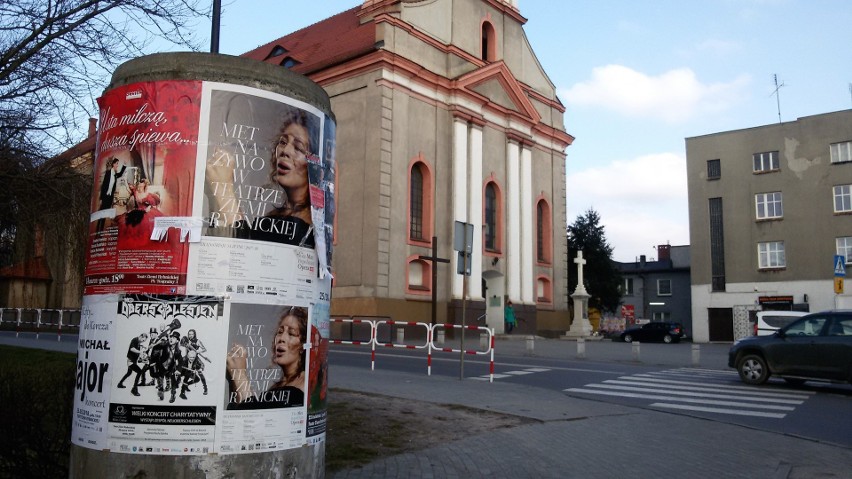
(628, 286)
(664, 287)
(841, 152)
(771, 255)
(842, 198)
(766, 161)
(844, 248)
(768, 205)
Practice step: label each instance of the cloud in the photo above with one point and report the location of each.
(642, 202)
(674, 96)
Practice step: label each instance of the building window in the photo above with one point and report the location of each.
(714, 169)
(543, 232)
(768, 205)
(664, 287)
(544, 290)
(844, 248)
(662, 316)
(717, 246)
(490, 217)
(415, 230)
(771, 255)
(767, 161)
(628, 287)
(419, 277)
(489, 42)
(419, 202)
(841, 152)
(842, 198)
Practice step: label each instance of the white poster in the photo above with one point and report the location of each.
(93, 373)
(164, 400)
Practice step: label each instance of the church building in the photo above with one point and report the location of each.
(444, 115)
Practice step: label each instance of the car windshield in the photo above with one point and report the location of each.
(806, 327)
(778, 321)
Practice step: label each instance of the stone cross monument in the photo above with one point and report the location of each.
(580, 326)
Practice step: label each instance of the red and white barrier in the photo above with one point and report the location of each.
(489, 350)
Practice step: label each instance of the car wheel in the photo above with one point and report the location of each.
(667, 338)
(794, 381)
(627, 338)
(753, 369)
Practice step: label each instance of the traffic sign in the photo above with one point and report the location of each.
(838, 285)
(839, 265)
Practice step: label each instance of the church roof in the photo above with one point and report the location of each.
(329, 42)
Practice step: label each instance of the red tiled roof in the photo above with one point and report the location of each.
(323, 44)
(34, 268)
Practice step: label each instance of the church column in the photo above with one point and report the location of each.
(475, 212)
(513, 223)
(527, 227)
(460, 151)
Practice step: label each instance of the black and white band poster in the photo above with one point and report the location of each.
(93, 372)
(167, 376)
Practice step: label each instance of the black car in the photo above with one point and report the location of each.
(664, 331)
(815, 347)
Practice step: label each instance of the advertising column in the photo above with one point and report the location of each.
(208, 279)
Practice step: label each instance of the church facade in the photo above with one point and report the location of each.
(444, 115)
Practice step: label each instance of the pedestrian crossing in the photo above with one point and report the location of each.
(698, 390)
(510, 374)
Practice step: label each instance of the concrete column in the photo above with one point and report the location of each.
(527, 228)
(513, 223)
(460, 151)
(475, 212)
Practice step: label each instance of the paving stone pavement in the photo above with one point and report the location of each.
(579, 438)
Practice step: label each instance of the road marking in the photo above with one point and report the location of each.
(704, 391)
(685, 400)
(720, 411)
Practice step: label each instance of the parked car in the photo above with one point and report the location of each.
(770, 321)
(664, 331)
(817, 346)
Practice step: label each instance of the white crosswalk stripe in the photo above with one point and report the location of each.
(698, 390)
(509, 374)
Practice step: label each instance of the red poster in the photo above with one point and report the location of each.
(144, 169)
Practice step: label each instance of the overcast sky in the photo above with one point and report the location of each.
(637, 77)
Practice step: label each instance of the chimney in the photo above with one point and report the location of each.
(93, 127)
(664, 252)
(642, 260)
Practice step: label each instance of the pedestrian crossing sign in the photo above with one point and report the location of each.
(839, 265)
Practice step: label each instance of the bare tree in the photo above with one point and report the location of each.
(55, 60)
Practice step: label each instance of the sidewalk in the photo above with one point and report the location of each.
(579, 438)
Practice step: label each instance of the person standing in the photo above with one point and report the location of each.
(136, 348)
(509, 317)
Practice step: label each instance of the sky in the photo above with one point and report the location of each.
(637, 78)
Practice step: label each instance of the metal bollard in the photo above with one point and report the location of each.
(696, 355)
(636, 350)
(581, 348)
(530, 344)
(400, 335)
(440, 337)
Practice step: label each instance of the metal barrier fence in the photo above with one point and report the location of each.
(380, 326)
(40, 320)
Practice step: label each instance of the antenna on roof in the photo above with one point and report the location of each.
(777, 94)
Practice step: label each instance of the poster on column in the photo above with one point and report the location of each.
(265, 401)
(168, 374)
(318, 363)
(265, 181)
(93, 371)
(144, 174)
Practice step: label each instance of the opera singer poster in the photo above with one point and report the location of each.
(266, 377)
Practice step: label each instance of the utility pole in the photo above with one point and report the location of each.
(214, 33)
